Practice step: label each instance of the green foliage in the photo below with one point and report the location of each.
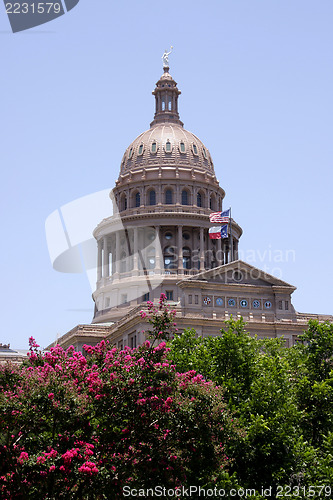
(228, 359)
(318, 341)
(229, 411)
(315, 386)
(282, 397)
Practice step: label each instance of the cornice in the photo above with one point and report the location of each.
(158, 218)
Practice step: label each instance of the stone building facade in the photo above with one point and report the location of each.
(157, 241)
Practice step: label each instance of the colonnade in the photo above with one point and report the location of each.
(134, 253)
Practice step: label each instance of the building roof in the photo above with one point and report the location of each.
(166, 142)
(238, 273)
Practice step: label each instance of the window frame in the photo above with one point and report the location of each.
(168, 201)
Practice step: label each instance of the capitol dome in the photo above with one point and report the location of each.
(166, 143)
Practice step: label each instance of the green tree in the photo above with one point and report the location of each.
(315, 387)
(282, 397)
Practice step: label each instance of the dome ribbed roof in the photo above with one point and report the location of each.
(166, 145)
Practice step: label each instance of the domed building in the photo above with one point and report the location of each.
(158, 234)
(157, 240)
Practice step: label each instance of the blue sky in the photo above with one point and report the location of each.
(256, 78)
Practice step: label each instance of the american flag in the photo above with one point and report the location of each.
(220, 216)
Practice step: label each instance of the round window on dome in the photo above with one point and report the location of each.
(154, 147)
(168, 236)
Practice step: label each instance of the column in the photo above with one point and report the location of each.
(180, 250)
(202, 250)
(136, 255)
(99, 260)
(235, 249)
(112, 250)
(219, 252)
(158, 250)
(117, 252)
(208, 252)
(106, 258)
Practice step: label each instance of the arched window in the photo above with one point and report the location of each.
(182, 147)
(169, 104)
(137, 199)
(199, 200)
(195, 149)
(170, 258)
(140, 149)
(168, 197)
(168, 146)
(123, 202)
(154, 147)
(152, 197)
(163, 103)
(184, 197)
(186, 258)
(212, 202)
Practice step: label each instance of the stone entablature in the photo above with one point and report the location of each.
(133, 328)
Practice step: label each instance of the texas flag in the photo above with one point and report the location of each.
(218, 232)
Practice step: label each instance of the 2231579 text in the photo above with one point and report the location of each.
(33, 8)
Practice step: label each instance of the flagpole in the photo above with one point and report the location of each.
(231, 242)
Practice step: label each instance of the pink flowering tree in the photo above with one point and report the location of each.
(161, 319)
(80, 426)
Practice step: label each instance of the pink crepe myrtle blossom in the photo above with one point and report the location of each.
(88, 468)
(117, 417)
(23, 457)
